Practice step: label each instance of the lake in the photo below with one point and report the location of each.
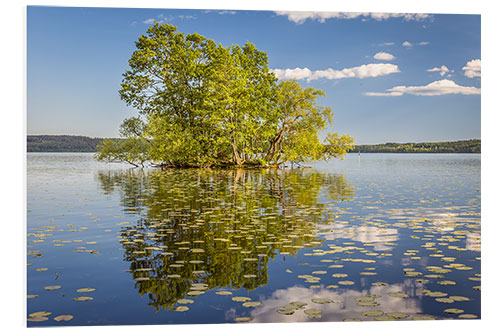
(371, 237)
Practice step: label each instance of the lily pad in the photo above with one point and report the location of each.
(365, 299)
(40, 314)
(297, 304)
(224, 292)
(346, 282)
(251, 304)
(143, 278)
(447, 283)
(399, 295)
(241, 299)
(83, 298)
(467, 316)
(385, 318)
(379, 284)
(41, 269)
(373, 313)
(397, 315)
(370, 303)
(423, 317)
(444, 300)
(436, 294)
(85, 290)
(286, 312)
(321, 300)
(63, 318)
(453, 311)
(313, 313)
(185, 301)
(243, 319)
(339, 275)
(181, 308)
(52, 287)
(319, 272)
(38, 318)
(249, 276)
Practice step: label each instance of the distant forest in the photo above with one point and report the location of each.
(62, 143)
(465, 146)
(73, 143)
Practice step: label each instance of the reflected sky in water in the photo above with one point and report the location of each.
(395, 227)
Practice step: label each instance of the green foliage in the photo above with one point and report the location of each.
(203, 104)
(338, 146)
(131, 150)
(300, 121)
(464, 146)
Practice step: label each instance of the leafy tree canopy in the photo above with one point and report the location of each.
(203, 104)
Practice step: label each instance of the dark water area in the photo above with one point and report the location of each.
(371, 237)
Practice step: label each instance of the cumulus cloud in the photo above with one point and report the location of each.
(344, 302)
(360, 72)
(301, 17)
(409, 44)
(150, 21)
(473, 68)
(226, 12)
(442, 70)
(162, 19)
(293, 74)
(436, 88)
(383, 56)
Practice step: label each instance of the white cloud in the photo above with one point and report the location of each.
(387, 44)
(149, 21)
(293, 74)
(442, 70)
(436, 88)
(360, 72)
(383, 56)
(162, 19)
(226, 12)
(473, 68)
(301, 17)
(344, 303)
(408, 44)
(186, 17)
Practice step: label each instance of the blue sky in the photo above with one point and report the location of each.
(388, 77)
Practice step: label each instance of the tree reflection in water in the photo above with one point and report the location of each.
(206, 229)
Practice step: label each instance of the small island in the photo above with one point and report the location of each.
(205, 105)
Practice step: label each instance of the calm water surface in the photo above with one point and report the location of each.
(376, 237)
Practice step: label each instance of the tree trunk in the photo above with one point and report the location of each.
(236, 157)
(275, 143)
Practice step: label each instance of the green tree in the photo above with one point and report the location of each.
(203, 104)
(300, 122)
(132, 149)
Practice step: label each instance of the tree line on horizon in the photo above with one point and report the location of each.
(62, 143)
(463, 146)
(78, 143)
